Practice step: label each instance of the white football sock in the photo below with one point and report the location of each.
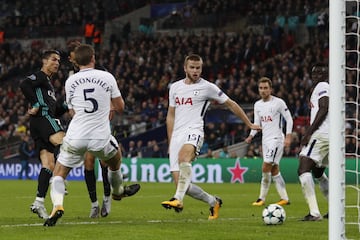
(184, 180)
(95, 204)
(280, 186)
(198, 193)
(57, 191)
(40, 199)
(116, 180)
(265, 185)
(307, 184)
(324, 185)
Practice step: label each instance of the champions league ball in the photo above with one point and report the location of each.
(273, 214)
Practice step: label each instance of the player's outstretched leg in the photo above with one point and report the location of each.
(128, 192)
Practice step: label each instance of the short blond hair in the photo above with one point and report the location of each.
(265, 80)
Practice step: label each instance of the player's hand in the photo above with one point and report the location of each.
(305, 140)
(255, 127)
(287, 141)
(33, 111)
(248, 139)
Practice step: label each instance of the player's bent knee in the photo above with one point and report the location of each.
(318, 172)
(305, 165)
(57, 138)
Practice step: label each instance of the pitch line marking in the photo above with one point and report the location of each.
(120, 222)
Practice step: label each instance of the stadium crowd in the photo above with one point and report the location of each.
(145, 65)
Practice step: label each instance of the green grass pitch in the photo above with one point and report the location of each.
(142, 216)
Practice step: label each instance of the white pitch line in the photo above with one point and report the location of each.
(155, 221)
(119, 222)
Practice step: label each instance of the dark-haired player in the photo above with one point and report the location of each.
(314, 154)
(45, 129)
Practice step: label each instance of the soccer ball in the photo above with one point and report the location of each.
(273, 214)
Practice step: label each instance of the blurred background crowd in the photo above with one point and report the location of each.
(240, 41)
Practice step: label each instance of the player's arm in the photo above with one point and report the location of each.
(239, 112)
(256, 121)
(29, 93)
(71, 112)
(170, 118)
(112, 111)
(60, 107)
(118, 104)
(319, 119)
(289, 125)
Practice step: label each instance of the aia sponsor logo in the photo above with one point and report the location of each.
(266, 119)
(183, 101)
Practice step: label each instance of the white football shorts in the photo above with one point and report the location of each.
(273, 151)
(194, 137)
(72, 150)
(317, 149)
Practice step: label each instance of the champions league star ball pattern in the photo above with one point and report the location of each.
(273, 214)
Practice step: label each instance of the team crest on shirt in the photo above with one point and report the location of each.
(51, 94)
(32, 77)
(196, 92)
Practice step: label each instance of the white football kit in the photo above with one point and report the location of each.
(270, 115)
(191, 102)
(89, 93)
(318, 147)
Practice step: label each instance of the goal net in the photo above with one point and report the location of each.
(344, 162)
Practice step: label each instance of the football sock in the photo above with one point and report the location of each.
(90, 180)
(184, 180)
(265, 185)
(40, 199)
(116, 180)
(57, 191)
(106, 184)
(324, 185)
(280, 186)
(198, 193)
(307, 184)
(94, 204)
(43, 182)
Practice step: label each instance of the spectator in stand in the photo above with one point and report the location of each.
(132, 150)
(251, 152)
(156, 151)
(26, 151)
(139, 148)
(224, 152)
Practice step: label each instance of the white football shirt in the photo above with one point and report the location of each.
(321, 90)
(270, 115)
(191, 102)
(88, 93)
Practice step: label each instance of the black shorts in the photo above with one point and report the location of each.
(41, 128)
